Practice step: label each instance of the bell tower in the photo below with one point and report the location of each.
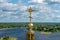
(30, 33)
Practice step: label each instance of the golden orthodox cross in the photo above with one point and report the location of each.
(30, 11)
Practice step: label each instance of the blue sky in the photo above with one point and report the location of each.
(15, 10)
(13, 1)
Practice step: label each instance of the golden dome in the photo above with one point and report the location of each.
(30, 25)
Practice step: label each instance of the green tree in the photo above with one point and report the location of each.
(6, 37)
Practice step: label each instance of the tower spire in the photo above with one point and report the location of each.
(30, 33)
(30, 12)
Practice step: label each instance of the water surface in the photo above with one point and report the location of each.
(20, 34)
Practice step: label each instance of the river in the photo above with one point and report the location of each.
(20, 34)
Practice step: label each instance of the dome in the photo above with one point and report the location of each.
(30, 25)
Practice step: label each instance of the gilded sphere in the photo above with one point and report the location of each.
(31, 24)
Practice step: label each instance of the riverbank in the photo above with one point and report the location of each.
(7, 28)
(9, 39)
(42, 32)
(11, 28)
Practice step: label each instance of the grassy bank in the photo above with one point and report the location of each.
(42, 32)
(7, 28)
(9, 39)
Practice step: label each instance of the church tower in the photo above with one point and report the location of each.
(30, 33)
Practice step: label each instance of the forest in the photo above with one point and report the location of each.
(51, 27)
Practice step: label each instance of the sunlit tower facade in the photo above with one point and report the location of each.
(30, 33)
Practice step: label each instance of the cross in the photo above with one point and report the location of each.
(30, 11)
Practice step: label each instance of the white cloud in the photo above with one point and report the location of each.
(55, 0)
(16, 17)
(5, 5)
(56, 10)
(58, 16)
(37, 1)
(9, 13)
(3, 0)
(9, 6)
(43, 12)
(23, 8)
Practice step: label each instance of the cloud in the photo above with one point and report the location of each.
(55, 0)
(58, 16)
(7, 9)
(23, 8)
(37, 1)
(3, 0)
(8, 6)
(12, 16)
(57, 11)
(44, 13)
(10, 12)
